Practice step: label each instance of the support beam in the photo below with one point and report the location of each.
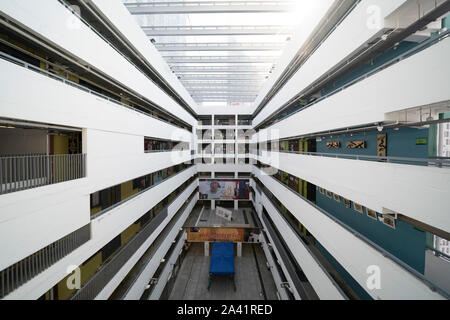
(220, 77)
(221, 69)
(192, 82)
(222, 88)
(216, 30)
(228, 100)
(263, 46)
(223, 95)
(223, 92)
(221, 59)
(217, 6)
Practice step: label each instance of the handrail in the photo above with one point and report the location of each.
(439, 253)
(98, 214)
(24, 172)
(422, 46)
(172, 254)
(91, 289)
(279, 211)
(375, 246)
(87, 24)
(53, 76)
(134, 277)
(212, 2)
(436, 161)
(26, 269)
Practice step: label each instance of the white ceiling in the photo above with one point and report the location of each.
(225, 53)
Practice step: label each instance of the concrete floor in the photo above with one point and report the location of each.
(192, 279)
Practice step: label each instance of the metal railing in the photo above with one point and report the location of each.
(19, 173)
(98, 214)
(294, 228)
(100, 279)
(440, 162)
(21, 272)
(87, 24)
(64, 80)
(142, 264)
(376, 247)
(422, 46)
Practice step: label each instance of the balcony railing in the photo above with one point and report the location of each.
(440, 162)
(19, 173)
(130, 280)
(101, 278)
(379, 249)
(21, 272)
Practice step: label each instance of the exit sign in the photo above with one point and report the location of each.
(421, 141)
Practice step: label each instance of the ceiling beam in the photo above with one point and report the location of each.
(216, 87)
(223, 82)
(239, 46)
(221, 59)
(223, 92)
(224, 99)
(220, 77)
(216, 30)
(209, 69)
(217, 6)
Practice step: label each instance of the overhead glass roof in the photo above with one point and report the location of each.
(222, 51)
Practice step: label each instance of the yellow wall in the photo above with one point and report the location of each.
(126, 190)
(96, 210)
(129, 233)
(87, 270)
(60, 144)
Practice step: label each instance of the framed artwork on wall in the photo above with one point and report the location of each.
(337, 197)
(356, 145)
(329, 194)
(333, 145)
(389, 221)
(357, 207)
(382, 145)
(346, 202)
(372, 214)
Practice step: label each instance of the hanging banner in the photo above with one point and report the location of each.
(215, 234)
(224, 189)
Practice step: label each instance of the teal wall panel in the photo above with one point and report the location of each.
(401, 143)
(404, 242)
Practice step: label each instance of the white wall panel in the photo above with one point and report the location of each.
(422, 193)
(52, 21)
(124, 22)
(419, 80)
(104, 229)
(308, 19)
(351, 252)
(117, 279)
(32, 219)
(322, 283)
(114, 158)
(27, 95)
(350, 35)
(141, 282)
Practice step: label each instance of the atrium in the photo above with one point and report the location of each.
(224, 150)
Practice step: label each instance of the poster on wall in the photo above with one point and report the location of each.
(224, 189)
(215, 234)
(224, 213)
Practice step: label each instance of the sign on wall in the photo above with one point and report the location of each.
(215, 234)
(224, 189)
(224, 213)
